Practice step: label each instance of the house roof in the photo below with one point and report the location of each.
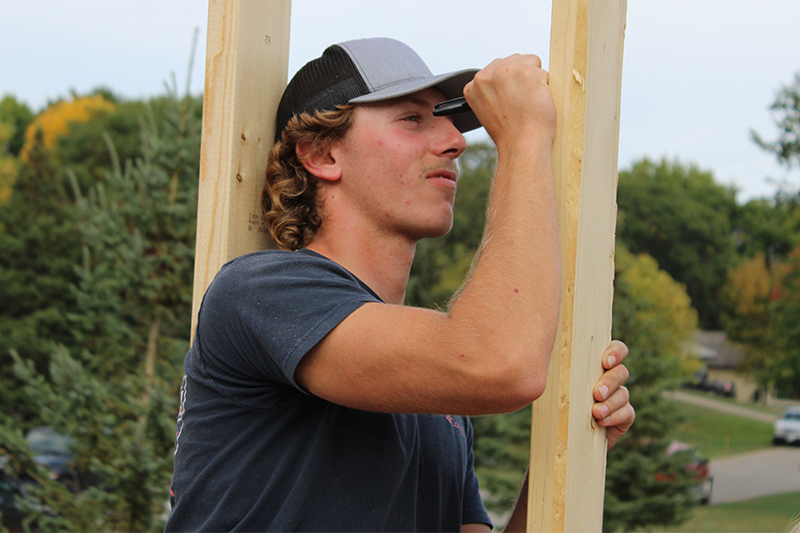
(714, 348)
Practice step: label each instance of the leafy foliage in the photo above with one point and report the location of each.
(115, 390)
(88, 157)
(54, 122)
(766, 226)
(39, 246)
(764, 313)
(761, 295)
(680, 217)
(14, 119)
(785, 329)
(748, 298)
(653, 315)
(16, 116)
(786, 109)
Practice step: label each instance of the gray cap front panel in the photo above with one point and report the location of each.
(385, 62)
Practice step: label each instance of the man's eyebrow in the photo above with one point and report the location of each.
(414, 99)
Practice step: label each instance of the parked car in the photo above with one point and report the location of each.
(698, 466)
(787, 428)
(720, 388)
(51, 450)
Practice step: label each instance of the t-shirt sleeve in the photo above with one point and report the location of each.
(473, 511)
(260, 316)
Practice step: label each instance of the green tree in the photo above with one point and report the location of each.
(763, 302)
(14, 119)
(762, 294)
(18, 116)
(767, 226)
(652, 313)
(40, 243)
(785, 331)
(679, 216)
(116, 394)
(82, 149)
(786, 111)
(748, 298)
(39, 247)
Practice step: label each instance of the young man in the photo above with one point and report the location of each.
(313, 399)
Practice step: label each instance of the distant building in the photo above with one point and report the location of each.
(721, 360)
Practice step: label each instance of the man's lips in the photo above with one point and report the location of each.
(444, 174)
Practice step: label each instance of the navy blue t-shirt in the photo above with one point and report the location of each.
(255, 452)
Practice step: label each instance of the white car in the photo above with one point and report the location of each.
(787, 428)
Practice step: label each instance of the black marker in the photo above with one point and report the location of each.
(451, 107)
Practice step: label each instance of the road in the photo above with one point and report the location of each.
(711, 403)
(754, 474)
(749, 475)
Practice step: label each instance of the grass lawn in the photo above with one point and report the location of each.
(761, 515)
(718, 434)
(776, 410)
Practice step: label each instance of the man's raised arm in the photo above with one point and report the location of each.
(489, 352)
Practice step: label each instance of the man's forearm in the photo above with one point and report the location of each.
(513, 293)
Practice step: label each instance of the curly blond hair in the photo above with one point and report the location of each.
(289, 199)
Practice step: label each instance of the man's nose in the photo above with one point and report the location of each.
(450, 141)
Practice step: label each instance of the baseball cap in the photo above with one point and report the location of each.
(367, 70)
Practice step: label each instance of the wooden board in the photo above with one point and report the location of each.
(567, 467)
(246, 68)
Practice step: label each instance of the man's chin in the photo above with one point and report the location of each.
(436, 232)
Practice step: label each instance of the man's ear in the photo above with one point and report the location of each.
(318, 161)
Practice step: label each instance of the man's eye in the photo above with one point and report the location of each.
(412, 118)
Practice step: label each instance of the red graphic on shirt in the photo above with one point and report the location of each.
(456, 424)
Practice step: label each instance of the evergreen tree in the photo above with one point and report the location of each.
(117, 393)
(18, 116)
(39, 247)
(14, 119)
(40, 243)
(82, 148)
(652, 314)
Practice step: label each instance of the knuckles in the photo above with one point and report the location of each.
(516, 69)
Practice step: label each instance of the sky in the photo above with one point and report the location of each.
(698, 75)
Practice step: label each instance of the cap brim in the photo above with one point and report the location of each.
(450, 84)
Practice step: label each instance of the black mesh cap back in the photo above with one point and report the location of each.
(321, 85)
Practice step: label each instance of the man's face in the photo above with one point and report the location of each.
(398, 166)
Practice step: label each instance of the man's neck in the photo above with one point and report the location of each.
(383, 264)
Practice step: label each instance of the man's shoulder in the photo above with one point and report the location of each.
(299, 271)
(276, 261)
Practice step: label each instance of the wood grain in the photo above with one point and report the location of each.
(246, 69)
(567, 466)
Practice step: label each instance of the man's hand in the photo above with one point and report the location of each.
(512, 99)
(613, 409)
